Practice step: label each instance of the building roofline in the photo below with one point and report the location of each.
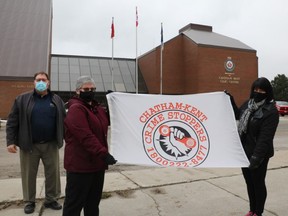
(150, 51)
(224, 47)
(86, 56)
(215, 39)
(196, 27)
(219, 46)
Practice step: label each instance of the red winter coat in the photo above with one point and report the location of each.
(86, 137)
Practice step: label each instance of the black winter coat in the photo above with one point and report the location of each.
(18, 127)
(258, 141)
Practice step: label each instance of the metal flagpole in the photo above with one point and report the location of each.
(112, 66)
(161, 60)
(136, 62)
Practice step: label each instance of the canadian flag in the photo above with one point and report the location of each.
(136, 17)
(112, 29)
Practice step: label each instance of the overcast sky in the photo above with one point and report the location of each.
(84, 27)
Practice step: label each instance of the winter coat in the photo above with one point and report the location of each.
(258, 141)
(86, 129)
(18, 127)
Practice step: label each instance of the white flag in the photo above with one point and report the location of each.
(179, 131)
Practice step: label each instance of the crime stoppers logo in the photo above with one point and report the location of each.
(174, 135)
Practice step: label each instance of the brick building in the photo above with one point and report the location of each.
(25, 46)
(195, 61)
(199, 60)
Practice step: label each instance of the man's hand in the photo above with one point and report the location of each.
(12, 148)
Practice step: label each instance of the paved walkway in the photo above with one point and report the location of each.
(171, 192)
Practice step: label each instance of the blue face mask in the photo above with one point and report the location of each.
(41, 86)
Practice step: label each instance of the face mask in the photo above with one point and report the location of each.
(87, 96)
(259, 96)
(41, 86)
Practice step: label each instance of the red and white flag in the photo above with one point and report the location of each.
(136, 17)
(112, 28)
(175, 130)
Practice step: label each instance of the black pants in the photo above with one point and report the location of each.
(83, 191)
(256, 187)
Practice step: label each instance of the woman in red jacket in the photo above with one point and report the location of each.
(86, 154)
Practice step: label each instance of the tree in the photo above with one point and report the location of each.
(280, 87)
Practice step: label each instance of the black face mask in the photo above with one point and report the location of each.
(87, 96)
(259, 96)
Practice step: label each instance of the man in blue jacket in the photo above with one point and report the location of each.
(35, 125)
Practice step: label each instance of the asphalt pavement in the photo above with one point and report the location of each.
(171, 191)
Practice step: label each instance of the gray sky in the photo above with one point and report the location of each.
(84, 27)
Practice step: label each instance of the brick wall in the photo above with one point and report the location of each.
(9, 90)
(173, 78)
(189, 69)
(212, 75)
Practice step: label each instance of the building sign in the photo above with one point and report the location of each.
(22, 86)
(229, 65)
(229, 79)
(228, 76)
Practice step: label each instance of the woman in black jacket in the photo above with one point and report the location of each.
(258, 121)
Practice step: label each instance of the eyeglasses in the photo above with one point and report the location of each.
(88, 89)
(43, 80)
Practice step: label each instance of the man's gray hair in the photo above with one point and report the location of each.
(84, 79)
